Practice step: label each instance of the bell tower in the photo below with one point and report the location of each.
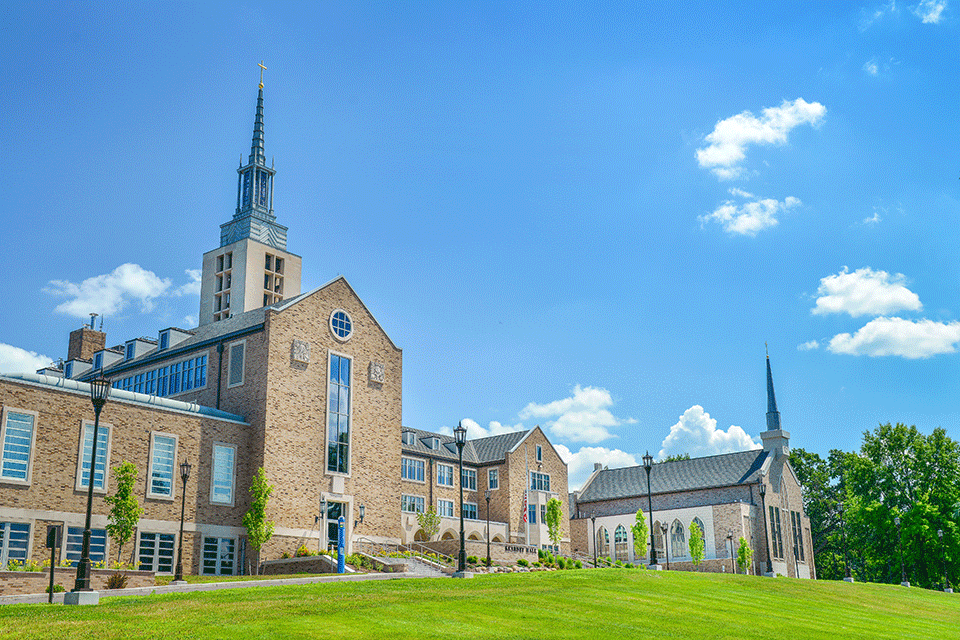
(252, 267)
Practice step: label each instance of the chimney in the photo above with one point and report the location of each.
(597, 466)
(84, 342)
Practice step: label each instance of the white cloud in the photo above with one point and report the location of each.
(17, 360)
(898, 337)
(873, 220)
(583, 417)
(190, 321)
(580, 464)
(864, 292)
(110, 293)
(192, 288)
(474, 430)
(730, 137)
(749, 218)
(870, 66)
(930, 11)
(808, 346)
(867, 18)
(696, 433)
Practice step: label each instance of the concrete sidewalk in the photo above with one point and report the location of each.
(208, 586)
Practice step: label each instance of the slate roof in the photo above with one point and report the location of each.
(679, 475)
(476, 451)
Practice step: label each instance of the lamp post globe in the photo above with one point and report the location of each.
(460, 433)
(648, 465)
(99, 392)
(184, 476)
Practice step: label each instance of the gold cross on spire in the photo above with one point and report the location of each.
(262, 69)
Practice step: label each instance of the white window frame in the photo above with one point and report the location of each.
(326, 418)
(452, 476)
(333, 331)
(156, 550)
(467, 487)
(539, 473)
(475, 509)
(106, 461)
(423, 469)
(174, 474)
(422, 502)
(93, 536)
(33, 444)
(452, 510)
(213, 474)
(217, 563)
(493, 474)
(243, 365)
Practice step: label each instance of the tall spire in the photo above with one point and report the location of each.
(773, 416)
(256, 147)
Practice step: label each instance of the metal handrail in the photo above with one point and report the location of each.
(416, 549)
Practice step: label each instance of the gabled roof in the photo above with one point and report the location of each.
(678, 475)
(476, 451)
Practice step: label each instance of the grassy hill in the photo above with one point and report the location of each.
(605, 603)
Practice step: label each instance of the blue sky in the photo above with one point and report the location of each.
(590, 218)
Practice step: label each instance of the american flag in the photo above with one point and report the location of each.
(524, 506)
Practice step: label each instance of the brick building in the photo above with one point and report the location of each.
(307, 385)
(722, 494)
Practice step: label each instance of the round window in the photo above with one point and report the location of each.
(341, 325)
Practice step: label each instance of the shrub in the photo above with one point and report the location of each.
(523, 562)
(540, 554)
(117, 581)
(628, 565)
(57, 588)
(284, 555)
(537, 564)
(561, 563)
(578, 564)
(304, 552)
(472, 560)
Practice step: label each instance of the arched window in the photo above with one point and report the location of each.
(678, 540)
(658, 538)
(703, 531)
(603, 542)
(620, 543)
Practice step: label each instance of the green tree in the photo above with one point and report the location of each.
(744, 555)
(125, 509)
(696, 544)
(554, 520)
(676, 456)
(429, 521)
(640, 535)
(259, 529)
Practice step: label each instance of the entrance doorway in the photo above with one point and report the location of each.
(334, 511)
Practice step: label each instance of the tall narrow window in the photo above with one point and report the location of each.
(236, 364)
(17, 438)
(162, 461)
(86, 450)
(678, 540)
(469, 479)
(539, 453)
(620, 543)
(411, 469)
(470, 510)
(338, 420)
(221, 486)
(493, 479)
(445, 475)
(445, 508)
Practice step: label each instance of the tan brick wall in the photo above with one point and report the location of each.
(31, 582)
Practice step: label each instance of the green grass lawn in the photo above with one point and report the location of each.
(165, 580)
(603, 603)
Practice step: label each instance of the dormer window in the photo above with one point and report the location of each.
(164, 340)
(432, 443)
(408, 437)
(130, 351)
(98, 360)
(68, 370)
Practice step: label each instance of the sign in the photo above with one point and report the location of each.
(54, 536)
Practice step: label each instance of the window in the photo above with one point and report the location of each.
(338, 426)
(156, 552)
(130, 351)
(539, 481)
(620, 543)
(543, 514)
(341, 325)
(413, 504)
(493, 479)
(236, 363)
(229, 261)
(86, 450)
(470, 510)
(68, 370)
(445, 475)
(163, 459)
(218, 555)
(73, 545)
(469, 479)
(797, 535)
(221, 485)
(678, 540)
(219, 263)
(411, 469)
(432, 443)
(532, 514)
(14, 542)
(703, 531)
(408, 437)
(164, 340)
(97, 360)
(658, 538)
(776, 535)
(539, 453)
(17, 437)
(445, 508)
(268, 263)
(603, 542)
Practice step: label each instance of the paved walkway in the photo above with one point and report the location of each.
(212, 586)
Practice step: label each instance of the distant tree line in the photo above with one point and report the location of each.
(898, 473)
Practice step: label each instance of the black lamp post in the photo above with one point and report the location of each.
(647, 465)
(943, 558)
(593, 519)
(487, 496)
(732, 564)
(843, 534)
(666, 543)
(99, 392)
(766, 533)
(461, 435)
(184, 476)
(903, 572)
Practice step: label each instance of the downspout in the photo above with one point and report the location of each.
(219, 371)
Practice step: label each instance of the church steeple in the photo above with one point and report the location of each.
(773, 416)
(254, 217)
(775, 439)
